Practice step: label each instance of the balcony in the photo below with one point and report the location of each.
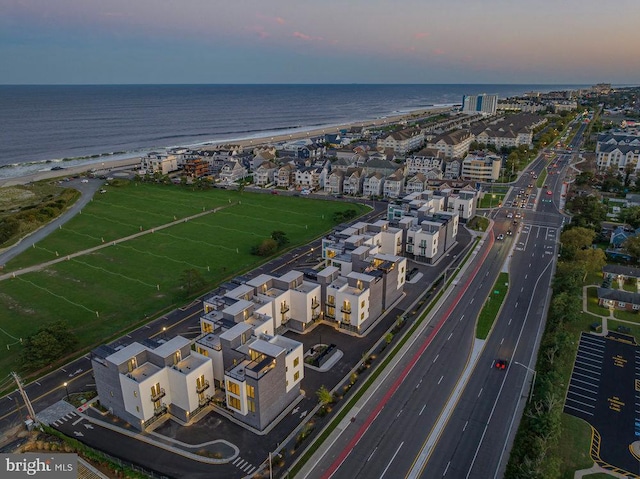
(331, 301)
(202, 386)
(346, 309)
(315, 305)
(158, 395)
(160, 410)
(284, 308)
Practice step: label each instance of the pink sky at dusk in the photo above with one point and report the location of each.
(302, 41)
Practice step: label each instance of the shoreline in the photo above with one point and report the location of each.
(104, 167)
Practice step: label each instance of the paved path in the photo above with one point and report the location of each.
(46, 264)
(87, 190)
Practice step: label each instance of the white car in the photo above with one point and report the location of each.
(500, 237)
(509, 215)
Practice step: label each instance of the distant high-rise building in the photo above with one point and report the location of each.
(487, 104)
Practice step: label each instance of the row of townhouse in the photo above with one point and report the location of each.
(240, 354)
(402, 141)
(509, 131)
(618, 150)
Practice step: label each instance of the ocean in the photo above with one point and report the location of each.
(42, 127)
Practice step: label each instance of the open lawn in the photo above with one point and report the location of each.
(111, 290)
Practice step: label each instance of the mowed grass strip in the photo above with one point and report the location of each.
(491, 307)
(112, 289)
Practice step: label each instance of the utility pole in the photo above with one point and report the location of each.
(25, 398)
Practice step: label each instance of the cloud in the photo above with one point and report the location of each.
(306, 38)
(420, 35)
(301, 36)
(271, 19)
(438, 51)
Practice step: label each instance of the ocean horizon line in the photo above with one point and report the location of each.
(308, 84)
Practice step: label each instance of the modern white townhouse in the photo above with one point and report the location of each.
(142, 383)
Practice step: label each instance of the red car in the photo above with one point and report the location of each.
(500, 364)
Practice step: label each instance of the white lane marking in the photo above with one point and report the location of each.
(436, 358)
(394, 456)
(480, 392)
(464, 428)
(422, 410)
(374, 451)
(441, 378)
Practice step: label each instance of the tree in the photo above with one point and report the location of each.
(48, 344)
(632, 246)
(631, 216)
(280, 237)
(191, 280)
(592, 259)
(324, 395)
(266, 248)
(576, 239)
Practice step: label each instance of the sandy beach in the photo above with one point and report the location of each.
(110, 166)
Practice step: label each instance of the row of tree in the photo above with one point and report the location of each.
(535, 452)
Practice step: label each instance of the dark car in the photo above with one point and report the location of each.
(501, 364)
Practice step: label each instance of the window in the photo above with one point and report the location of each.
(135, 394)
(296, 376)
(362, 315)
(621, 304)
(233, 402)
(137, 408)
(251, 405)
(111, 393)
(296, 361)
(362, 304)
(233, 388)
(251, 391)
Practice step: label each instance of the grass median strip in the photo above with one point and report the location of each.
(492, 306)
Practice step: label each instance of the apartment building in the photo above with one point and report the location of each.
(423, 164)
(477, 167)
(429, 238)
(142, 383)
(452, 145)
(485, 104)
(161, 163)
(372, 184)
(403, 141)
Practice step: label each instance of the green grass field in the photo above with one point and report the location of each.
(492, 306)
(113, 289)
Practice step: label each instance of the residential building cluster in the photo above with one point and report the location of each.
(386, 162)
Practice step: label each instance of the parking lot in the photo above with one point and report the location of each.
(604, 390)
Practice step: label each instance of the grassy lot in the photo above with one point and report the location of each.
(592, 302)
(26, 208)
(491, 200)
(492, 306)
(612, 325)
(116, 288)
(575, 445)
(632, 316)
(478, 223)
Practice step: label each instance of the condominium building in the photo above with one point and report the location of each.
(485, 104)
(142, 383)
(481, 167)
(403, 141)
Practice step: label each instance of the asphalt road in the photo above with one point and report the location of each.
(400, 439)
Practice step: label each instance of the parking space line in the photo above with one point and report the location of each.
(581, 381)
(582, 403)
(590, 398)
(584, 389)
(587, 369)
(579, 410)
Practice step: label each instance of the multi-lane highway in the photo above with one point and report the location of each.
(454, 414)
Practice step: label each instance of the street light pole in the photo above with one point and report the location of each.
(67, 390)
(533, 383)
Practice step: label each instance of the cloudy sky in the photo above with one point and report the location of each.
(319, 41)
